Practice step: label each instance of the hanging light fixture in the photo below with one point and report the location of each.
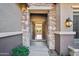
(68, 22)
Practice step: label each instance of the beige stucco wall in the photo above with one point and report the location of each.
(10, 17)
(66, 11)
(63, 11)
(64, 37)
(57, 17)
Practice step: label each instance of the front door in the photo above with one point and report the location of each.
(38, 31)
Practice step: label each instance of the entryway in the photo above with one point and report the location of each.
(39, 35)
(38, 29)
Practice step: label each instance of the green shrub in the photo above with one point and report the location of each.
(20, 51)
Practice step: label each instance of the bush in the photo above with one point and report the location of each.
(20, 51)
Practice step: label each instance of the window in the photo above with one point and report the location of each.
(76, 23)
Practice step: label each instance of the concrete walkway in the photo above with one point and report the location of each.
(52, 53)
(38, 49)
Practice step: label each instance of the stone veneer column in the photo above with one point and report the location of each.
(51, 27)
(26, 28)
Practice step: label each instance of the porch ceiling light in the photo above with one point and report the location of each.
(68, 22)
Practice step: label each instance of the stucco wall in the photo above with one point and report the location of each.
(9, 42)
(57, 17)
(10, 17)
(63, 11)
(62, 41)
(10, 21)
(66, 11)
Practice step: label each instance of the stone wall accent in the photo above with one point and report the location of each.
(26, 28)
(26, 25)
(51, 26)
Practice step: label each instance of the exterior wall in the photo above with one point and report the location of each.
(63, 11)
(62, 43)
(9, 42)
(65, 41)
(10, 17)
(57, 17)
(57, 43)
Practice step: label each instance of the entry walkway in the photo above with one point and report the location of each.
(40, 49)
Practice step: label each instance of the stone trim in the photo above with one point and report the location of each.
(4, 54)
(5, 34)
(72, 33)
(73, 49)
(75, 6)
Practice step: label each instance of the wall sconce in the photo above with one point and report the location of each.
(23, 6)
(68, 22)
(24, 9)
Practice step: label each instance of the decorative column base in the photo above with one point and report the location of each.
(62, 41)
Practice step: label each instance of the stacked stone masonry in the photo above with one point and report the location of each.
(51, 25)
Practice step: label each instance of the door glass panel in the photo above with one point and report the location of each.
(38, 31)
